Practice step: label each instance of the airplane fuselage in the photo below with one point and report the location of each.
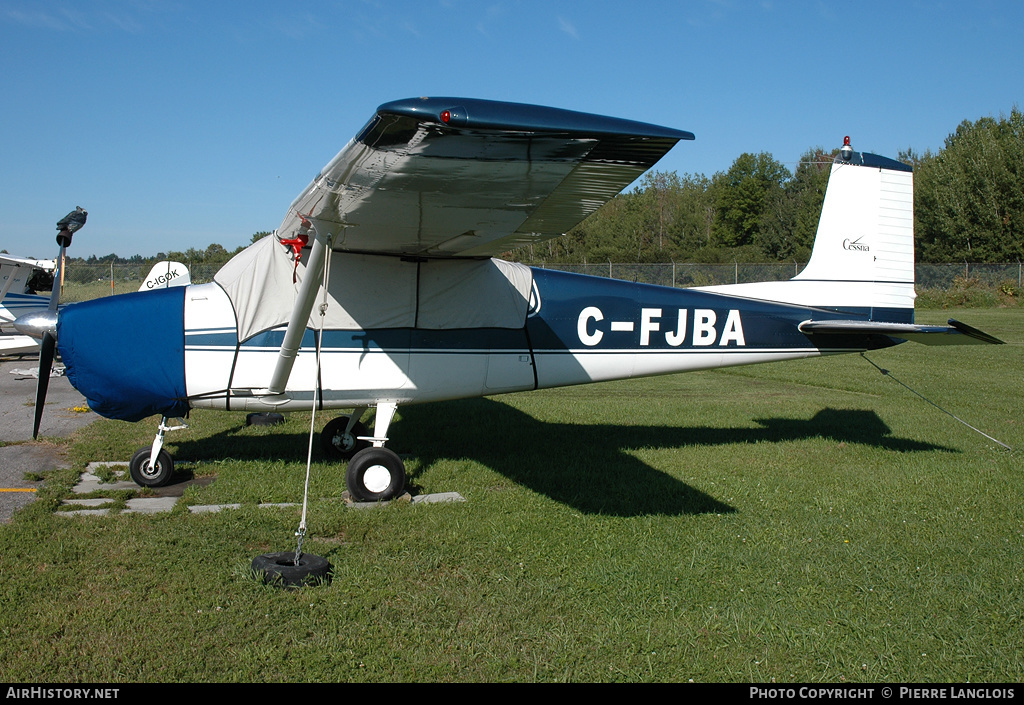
(578, 329)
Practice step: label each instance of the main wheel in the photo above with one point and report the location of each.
(156, 476)
(338, 444)
(375, 475)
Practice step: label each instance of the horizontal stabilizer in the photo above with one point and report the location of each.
(956, 333)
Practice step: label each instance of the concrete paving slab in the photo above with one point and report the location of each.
(91, 483)
(167, 499)
(96, 502)
(438, 498)
(84, 513)
(210, 508)
(420, 499)
(150, 505)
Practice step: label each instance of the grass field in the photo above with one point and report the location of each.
(807, 521)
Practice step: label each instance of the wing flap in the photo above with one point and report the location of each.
(956, 333)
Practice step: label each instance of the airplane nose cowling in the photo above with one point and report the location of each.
(126, 354)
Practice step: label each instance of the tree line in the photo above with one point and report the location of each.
(968, 206)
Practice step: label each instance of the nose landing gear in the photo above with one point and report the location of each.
(152, 466)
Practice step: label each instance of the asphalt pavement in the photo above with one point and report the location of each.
(19, 454)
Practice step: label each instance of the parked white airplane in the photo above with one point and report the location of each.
(18, 276)
(383, 265)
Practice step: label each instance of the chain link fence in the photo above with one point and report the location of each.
(928, 276)
(89, 281)
(86, 281)
(677, 274)
(944, 276)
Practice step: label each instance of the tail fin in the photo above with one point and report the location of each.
(166, 274)
(862, 261)
(865, 235)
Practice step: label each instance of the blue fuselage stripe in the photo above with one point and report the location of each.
(579, 314)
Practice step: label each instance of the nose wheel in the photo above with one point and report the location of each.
(151, 474)
(152, 466)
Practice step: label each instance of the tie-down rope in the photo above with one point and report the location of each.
(301, 533)
(889, 375)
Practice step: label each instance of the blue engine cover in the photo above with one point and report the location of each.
(126, 354)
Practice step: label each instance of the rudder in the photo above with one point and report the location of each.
(866, 230)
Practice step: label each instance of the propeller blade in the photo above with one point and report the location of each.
(46, 349)
(58, 280)
(48, 345)
(67, 226)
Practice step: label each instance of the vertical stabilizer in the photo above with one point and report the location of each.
(866, 230)
(862, 262)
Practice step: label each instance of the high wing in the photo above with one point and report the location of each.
(47, 264)
(458, 177)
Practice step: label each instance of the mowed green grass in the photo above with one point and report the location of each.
(805, 521)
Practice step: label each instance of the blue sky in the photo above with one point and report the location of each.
(180, 124)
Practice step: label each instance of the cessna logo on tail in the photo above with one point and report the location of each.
(856, 245)
(704, 331)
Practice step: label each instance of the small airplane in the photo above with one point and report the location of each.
(380, 287)
(20, 278)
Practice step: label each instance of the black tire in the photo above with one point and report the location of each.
(279, 569)
(146, 476)
(375, 475)
(340, 445)
(269, 418)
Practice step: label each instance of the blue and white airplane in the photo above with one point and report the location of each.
(380, 288)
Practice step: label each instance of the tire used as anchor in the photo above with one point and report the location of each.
(281, 570)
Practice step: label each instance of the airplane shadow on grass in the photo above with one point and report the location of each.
(588, 466)
(585, 466)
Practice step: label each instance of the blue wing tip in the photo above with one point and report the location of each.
(492, 114)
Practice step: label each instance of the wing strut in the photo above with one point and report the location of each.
(302, 308)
